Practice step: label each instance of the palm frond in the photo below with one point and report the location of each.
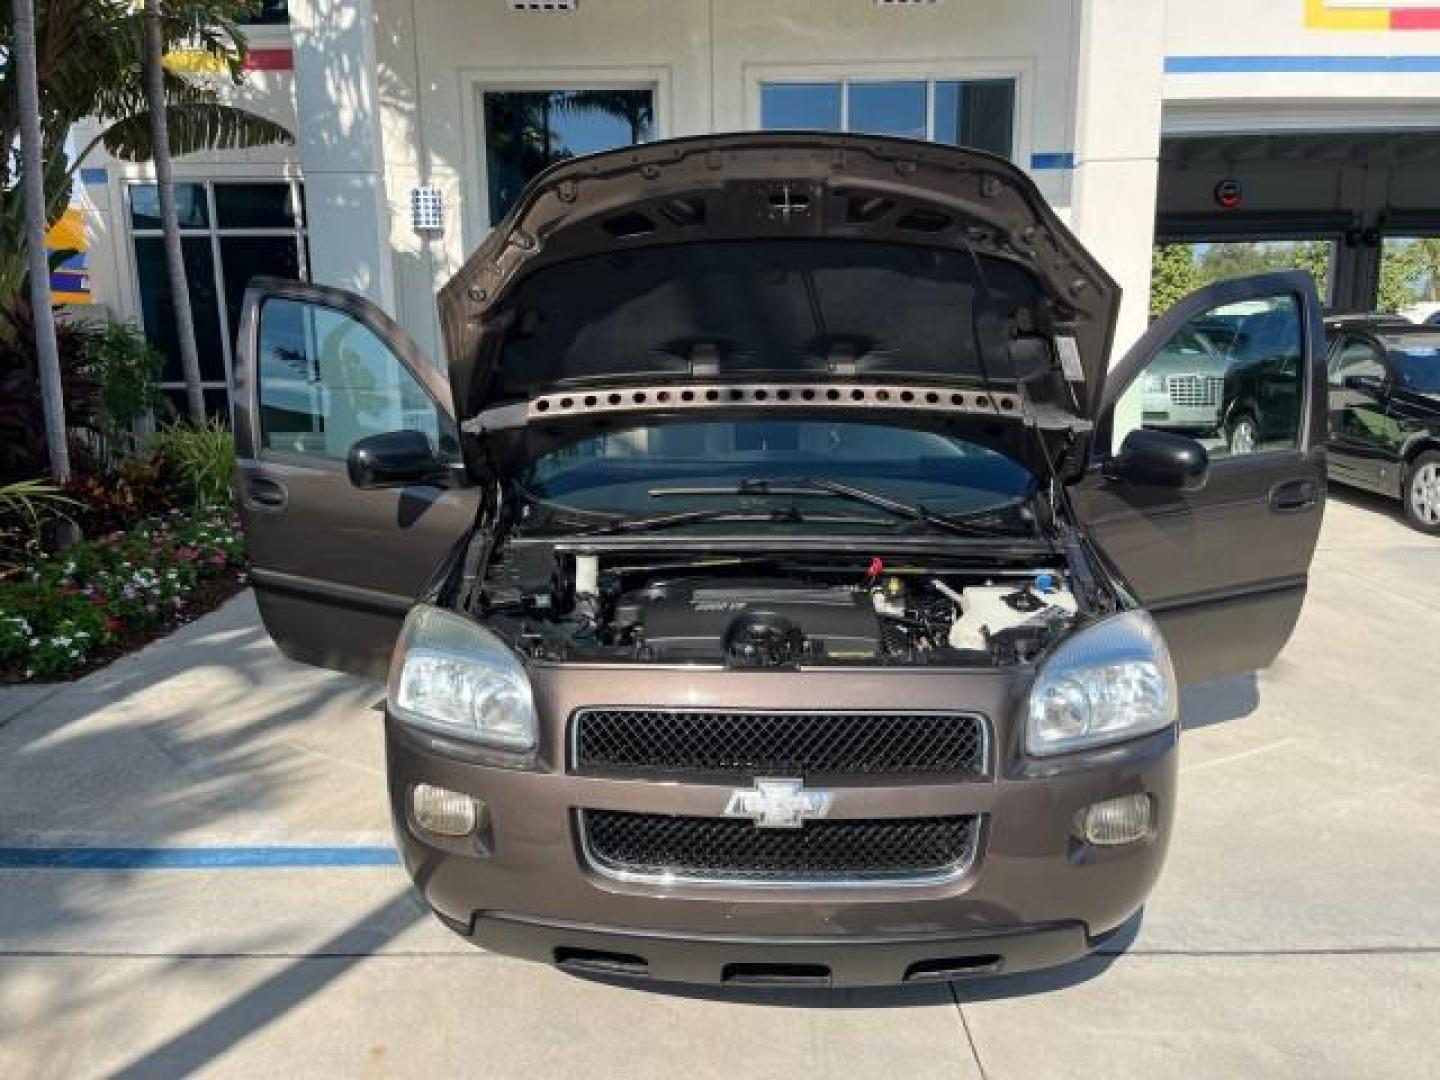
(194, 126)
(30, 499)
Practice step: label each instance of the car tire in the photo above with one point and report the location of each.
(1421, 492)
(1243, 435)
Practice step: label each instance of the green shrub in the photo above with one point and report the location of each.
(48, 633)
(137, 488)
(125, 585)
(124, 368)
(26, 508)
(23, 452)
(203, 458)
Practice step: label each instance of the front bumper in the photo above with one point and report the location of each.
(1035, 895)
(1160, 411)
(736, 960)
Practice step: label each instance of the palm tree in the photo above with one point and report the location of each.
(92, 64)
(169, 220)
(32, 150)
(634, 109)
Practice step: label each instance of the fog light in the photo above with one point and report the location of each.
(442, 811)
(1116, 821)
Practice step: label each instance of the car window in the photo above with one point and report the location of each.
(1416, 361)
(1231, 377)
(326, 380)
(1356, 357)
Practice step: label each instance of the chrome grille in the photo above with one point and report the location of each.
(660, 847)
(802, 744)
(1194, 391)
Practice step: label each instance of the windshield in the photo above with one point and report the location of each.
(1417, 363)
(743, 465)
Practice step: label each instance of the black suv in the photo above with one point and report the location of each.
(1384, 381)
(1260, 403)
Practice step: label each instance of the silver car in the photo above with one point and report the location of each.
(1185, 385)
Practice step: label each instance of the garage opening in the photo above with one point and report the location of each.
(1359, 210)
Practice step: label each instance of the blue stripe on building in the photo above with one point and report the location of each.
(94, 176)
(1327, 65)
(1065, 160)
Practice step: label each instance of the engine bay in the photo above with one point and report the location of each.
(772, 611)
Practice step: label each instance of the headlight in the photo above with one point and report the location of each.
(452, 676)
(1155, 384)
(1110, 682)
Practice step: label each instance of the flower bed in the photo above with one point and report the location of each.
(95, 600)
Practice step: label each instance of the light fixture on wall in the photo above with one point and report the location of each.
(427, 209)
(542, 5)
(906, 3)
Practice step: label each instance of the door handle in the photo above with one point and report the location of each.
(1293, 495)
(265, 493)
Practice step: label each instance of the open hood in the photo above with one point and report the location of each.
(779, 271)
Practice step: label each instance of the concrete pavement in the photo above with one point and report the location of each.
(1296, 931)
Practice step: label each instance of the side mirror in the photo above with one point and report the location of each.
(1160, 459)
(393, 459)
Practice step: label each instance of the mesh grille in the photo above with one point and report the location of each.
(714, 848)
(1195, 390)
(787, 744)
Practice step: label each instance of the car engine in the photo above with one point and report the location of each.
(773, 612)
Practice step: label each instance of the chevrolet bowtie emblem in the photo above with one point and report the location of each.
(778, 804)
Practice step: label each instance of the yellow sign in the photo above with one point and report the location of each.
(194, 62)
(70, 281)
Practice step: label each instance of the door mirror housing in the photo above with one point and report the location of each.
(1160, 459)
(394, 459)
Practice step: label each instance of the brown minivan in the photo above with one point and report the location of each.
(780, 602)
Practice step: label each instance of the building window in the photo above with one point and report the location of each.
(1410, 277)
(528, 130)
(230, 232)
(267, 13)
(963, 112)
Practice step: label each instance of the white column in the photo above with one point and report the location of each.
(1117, 146)
(338, 133)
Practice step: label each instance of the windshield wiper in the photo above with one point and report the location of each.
(781, 516)
(809, 485)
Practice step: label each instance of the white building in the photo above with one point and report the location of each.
(1283, 119)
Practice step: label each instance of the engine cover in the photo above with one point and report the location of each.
(755, 624)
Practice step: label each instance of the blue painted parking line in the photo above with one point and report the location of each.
(192, 858)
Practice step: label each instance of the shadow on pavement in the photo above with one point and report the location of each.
(1220, 701)
(202, 1043)
(1370, 501)
(205, 737)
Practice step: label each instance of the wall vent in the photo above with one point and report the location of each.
(427, 209)
(542, 5)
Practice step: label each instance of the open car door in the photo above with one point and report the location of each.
(335, 567)
(1223, 569)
